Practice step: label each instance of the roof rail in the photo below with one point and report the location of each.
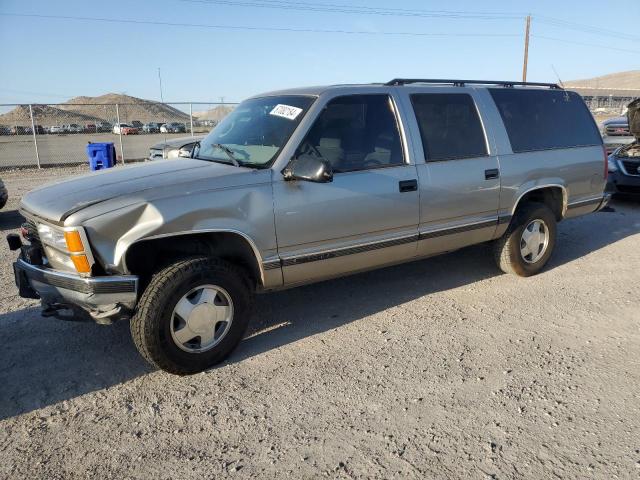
(462, 83)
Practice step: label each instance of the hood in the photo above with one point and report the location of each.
(56, 202)
(621, 120)
(633, 117)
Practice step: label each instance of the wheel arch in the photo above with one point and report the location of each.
(141, 257)
(554, 195)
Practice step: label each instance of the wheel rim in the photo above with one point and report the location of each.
(534, 241)
(201, 318)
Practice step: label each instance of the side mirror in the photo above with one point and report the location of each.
(309, 169)
(186, 151)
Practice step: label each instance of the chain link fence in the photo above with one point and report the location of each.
(46, 135)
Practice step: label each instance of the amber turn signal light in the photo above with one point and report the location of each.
(81, 263)
(74, 242)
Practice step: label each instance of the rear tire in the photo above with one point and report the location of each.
(529, 241)
(158, 327)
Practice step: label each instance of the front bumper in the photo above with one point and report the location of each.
(104, 298)
(618, 182)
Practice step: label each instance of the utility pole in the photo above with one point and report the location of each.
(164, 110)
(526, 48)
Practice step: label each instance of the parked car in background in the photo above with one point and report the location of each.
(4, 130)
(178, 147)
(102, 127)
(40, 130)
(137, 124)
(90, 128)
(303, 185)
(75, 128)
(57, 129)
(19, 130)
(125, 129)
(624, 162)
(615, 133)
(151, 127)
(173, 127)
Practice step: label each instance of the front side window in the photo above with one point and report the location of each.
(449, 125)
(255, 131)
(355, 132)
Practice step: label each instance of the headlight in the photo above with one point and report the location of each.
(612, 165)
(52, 236)
(72, 242)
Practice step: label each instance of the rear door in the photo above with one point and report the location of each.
(458, 173)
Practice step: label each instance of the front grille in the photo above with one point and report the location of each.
(617, 130)
(30, 231)
(631, 167)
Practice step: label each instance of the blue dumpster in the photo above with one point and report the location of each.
(101, 155)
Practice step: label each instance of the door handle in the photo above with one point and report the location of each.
(491, 174)
(408, 185)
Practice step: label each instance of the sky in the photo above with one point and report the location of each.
(50, 60)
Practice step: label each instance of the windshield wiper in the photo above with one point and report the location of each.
(227, 150)
(229, 153)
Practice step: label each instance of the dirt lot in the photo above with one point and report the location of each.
(442, 368)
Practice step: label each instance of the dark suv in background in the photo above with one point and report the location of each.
(615, 133)
(624, 162)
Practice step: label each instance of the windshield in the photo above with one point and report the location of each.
(255, 131)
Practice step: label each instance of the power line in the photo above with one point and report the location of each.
(557, 22)
(608, 47)
(267, 29)
(364, 10)
(304, 30)
(361, 10)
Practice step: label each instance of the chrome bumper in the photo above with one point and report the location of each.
(102, 297)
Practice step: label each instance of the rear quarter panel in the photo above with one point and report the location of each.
(579, 171)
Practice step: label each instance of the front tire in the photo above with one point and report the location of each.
(529, 241)
(192, 315)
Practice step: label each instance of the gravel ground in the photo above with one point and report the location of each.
(443, 368)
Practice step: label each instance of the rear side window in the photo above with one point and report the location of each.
(449, 126)
(545, 119)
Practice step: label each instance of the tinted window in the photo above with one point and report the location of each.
(544, 119)
(449, 126)
(355, 132)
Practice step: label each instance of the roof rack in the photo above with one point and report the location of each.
(462, 83)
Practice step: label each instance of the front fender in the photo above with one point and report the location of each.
(242, 210)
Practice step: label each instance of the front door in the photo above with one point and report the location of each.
(368, 215)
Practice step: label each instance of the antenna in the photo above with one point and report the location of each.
(559, 81)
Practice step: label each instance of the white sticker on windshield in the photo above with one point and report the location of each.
(286, 111)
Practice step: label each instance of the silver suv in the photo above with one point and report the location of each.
(303, 185)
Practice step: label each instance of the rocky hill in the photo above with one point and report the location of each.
(45, 115)
(216, 113)
(130, 108)
(83, 110)
(620, 80)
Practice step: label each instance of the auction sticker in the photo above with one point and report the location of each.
(286, 111)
